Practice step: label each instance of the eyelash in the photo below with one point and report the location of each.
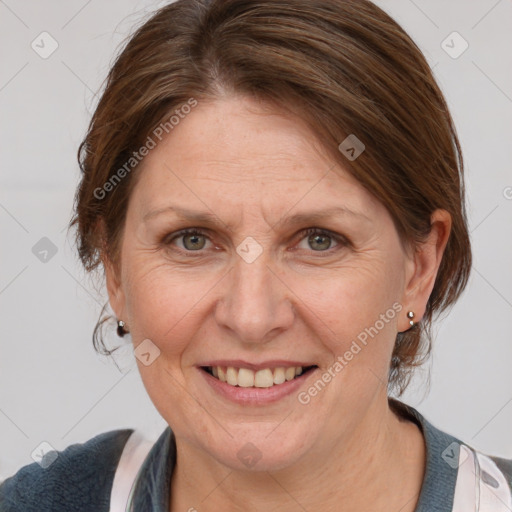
(340, 240)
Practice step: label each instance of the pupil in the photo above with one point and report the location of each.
(194, 240)
(315, 238)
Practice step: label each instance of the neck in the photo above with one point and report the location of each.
(378, 466)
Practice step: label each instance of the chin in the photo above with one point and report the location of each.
(262, 451)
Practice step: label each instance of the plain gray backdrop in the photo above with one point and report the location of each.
(53, 386)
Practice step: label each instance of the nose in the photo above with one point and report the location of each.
(256, 304)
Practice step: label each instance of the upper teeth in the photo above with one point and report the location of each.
(246, 378)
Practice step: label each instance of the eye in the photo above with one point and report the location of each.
(193, 239)
(319, 240)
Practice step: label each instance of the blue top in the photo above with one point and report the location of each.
(80, 479)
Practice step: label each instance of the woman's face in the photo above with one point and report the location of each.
(255, 290)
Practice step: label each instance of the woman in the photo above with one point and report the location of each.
(274, 190)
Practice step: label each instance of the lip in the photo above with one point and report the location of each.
(239, 363)
(255, 396)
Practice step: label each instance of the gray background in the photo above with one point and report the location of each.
(54, 388)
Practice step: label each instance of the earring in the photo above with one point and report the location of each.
(120, 328)
(410, 315)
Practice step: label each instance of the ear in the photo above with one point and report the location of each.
(114, 288)
(112, 274)
(423, 266)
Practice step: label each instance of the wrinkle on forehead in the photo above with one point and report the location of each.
(242, 164)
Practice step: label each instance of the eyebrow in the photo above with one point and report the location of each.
(298, 218)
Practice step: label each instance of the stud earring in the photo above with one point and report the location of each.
(120, 328)
(410, 315)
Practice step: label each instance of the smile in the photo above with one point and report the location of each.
(262, 378)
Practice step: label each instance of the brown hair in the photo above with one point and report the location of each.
(344, 67)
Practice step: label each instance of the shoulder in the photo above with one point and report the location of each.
(487, 477)
(505, 465)
(457, 474)
(77, 478)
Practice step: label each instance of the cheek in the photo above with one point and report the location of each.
(340, 299)
(165, 307)
(165, 304)
(355, 304)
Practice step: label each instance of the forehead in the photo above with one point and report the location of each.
(242, 151)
